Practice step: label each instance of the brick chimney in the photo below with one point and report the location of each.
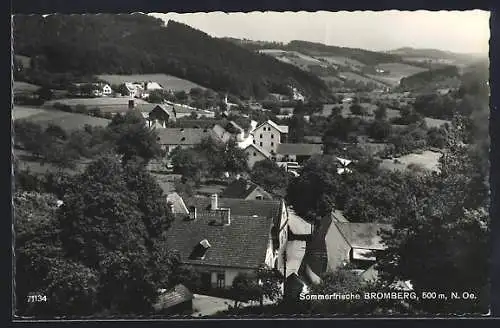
(192, 213)
(225, 216)
(214, 202)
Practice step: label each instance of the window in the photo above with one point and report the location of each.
(261, 135)
(221, 280)
(272, 136)
(259, 197)
(261, 143)
(272, 144)
(254, 153)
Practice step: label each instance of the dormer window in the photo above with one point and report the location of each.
(200, 250)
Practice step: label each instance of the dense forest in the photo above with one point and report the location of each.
(133, 44)
(422, 79)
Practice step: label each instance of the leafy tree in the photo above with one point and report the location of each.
(45, 94)
(133, 138)
(111, 222)
(357, 109)
(122, 89)
(379, 130)
(269, 282)
(270, 176)
(245, 288)
(297, 127)
(381, 112)
(437, 137)
(189, 163)
(235, 158)
(440, 242)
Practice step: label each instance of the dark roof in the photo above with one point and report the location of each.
(183, 136)
(363, 235)
(242, 244)
(242, 188)
(179, 294)
(303, 149)
(316, 249)
(198, 123)
(313, 139)
(242, 207)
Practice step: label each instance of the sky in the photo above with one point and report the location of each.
(456, 31)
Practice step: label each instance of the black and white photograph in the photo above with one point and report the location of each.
(269, 164)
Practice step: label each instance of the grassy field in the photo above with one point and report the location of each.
(25, 61)
(23, 87)
(364, 79)
(435, 123)
(428, 160)
(67, 121)
(105, 104)
(397, 71)
(341, 61)
(166, 81)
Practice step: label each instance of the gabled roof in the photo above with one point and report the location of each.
(242, 188)
(297, 225)
(259, 149)
(362, 235)
(241, 244)
(303, 149)
(165, 108)
(280, 128)
(178, 203)
(181, 136)
(241, 207)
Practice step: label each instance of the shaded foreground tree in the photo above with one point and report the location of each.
(133, 138)
(441, 240)
(102, 251)
(270, 176)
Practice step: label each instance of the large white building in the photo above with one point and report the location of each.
(269, 135)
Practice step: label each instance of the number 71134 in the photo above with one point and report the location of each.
(37, 298)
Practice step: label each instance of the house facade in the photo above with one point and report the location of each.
(224, 237)
(269, 135)
(162, 115)
(337, 244)
(255, 154)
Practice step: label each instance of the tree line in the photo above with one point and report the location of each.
(135, 44)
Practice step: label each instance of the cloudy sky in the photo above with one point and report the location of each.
(458, 31)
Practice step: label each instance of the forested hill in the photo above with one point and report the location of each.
(134, 44)
(366, 57)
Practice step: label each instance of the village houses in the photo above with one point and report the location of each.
(222, 237)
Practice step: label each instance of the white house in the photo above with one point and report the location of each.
(106, 90)
(269, 135)
(224, 237)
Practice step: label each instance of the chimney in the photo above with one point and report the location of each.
(192, 213)
(214, 202)
(225, 216)
(131, 104)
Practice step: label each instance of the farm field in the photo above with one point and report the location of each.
(67, 121)
(20, 87)
(397, 71)
(435, 123)
(428, 160)
(166, 81)
(341, 61)
(105, 104)
(364, 79)
(25, 61)
(26, 161)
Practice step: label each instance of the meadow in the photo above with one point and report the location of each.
(166, 81)
(67, 121)
(427, 159)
